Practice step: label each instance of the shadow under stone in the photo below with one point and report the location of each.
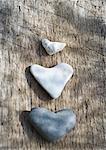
(36, 87)
(27, 127)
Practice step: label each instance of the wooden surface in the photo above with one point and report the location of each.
(82, 25)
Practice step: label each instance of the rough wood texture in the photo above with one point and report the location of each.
(82, 25)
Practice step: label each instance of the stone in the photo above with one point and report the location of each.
(52, 125)
(54, 79)
(52, 47)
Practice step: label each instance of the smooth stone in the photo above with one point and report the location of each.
(52, 125)
(54, 79)
(52, 47)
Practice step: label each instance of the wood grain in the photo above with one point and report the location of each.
(82, 25)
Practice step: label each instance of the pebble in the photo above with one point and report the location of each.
(52, 47)
(54, 79)
(52, 125)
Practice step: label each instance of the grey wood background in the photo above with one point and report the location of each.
(82, 25)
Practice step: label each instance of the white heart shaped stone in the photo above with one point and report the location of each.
(52, 79)
(52, 47)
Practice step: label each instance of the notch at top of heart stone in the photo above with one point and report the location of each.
(54, 79)
(52, 125)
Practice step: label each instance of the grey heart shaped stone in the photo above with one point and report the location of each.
(52, 126)
(54, 79)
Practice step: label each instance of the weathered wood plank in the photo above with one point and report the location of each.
(82, 25)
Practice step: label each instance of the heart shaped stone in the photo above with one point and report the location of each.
(52, 47)
(52, 79)
(52, 126)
